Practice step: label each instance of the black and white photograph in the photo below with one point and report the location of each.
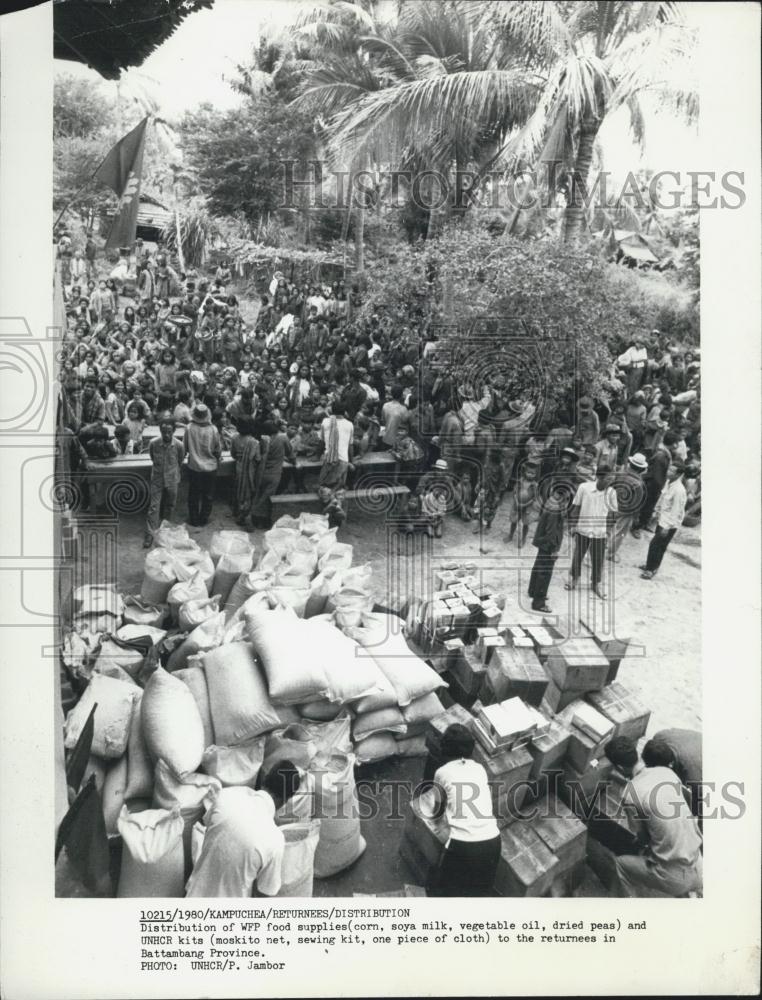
(377, 341)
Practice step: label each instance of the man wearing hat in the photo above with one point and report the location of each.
(607, 449)
(203, 447)
(557, 493)
(588, 428)
(631, 494)
(593, 511)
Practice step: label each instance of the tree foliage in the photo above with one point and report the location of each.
(237, 155)
(577, 308)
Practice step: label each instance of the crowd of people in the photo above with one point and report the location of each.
(317, 380)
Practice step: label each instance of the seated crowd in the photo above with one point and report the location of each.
(319, 381)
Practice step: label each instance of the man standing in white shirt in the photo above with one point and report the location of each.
(634, 361)
(670, 511)
(592, 514)
(337, 433)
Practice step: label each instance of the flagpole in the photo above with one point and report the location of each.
(79, 191)
(73, 198)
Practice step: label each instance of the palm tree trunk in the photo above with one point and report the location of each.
(575, 210)
(178, 235)
(179, 240)
(360, 236)
(360, 232)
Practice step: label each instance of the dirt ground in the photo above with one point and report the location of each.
(661, 617)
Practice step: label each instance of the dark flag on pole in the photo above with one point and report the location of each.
(122, 170)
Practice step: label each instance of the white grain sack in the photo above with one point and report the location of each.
(172, 725)
(115, 700)
(341, 842)
(152, 855)
(238, 765)
(139, 764)
(238, 699)
(113, 794)
(195, 678)
(294, 670)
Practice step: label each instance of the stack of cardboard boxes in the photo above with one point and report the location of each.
(542, 708)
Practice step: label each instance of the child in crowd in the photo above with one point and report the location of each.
(524, 508)
(491, 491)
(136, 425)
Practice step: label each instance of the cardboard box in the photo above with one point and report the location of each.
(609, 823)
(454, 649)
(469, 671)
(428, 835)
(516, 672)
(590, 732)
(508, 773)
(490, 614)
(628, 715)
(580, 790)
(523, 642)
(542, 639)
(509, 722)
(613, 648)
(513, 632)
(578, 665)
(555, 700)
(487, 645)
(526, 866)
(548, 749)
(560, 830)
(437, 727)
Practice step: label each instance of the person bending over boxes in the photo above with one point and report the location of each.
(670, 861)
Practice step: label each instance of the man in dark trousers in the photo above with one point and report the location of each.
(670, 511)
(591, 519)
(557, 495)
(654, 480)
(166, 462)
(203, 447)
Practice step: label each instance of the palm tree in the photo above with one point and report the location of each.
(339, 71)
(182, 183)
(554, 72)
(597, 58)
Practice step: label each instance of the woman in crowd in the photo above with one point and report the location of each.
(320, 351)
(461, 795)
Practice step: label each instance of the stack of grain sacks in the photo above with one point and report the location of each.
(392, 720)
(218, 669)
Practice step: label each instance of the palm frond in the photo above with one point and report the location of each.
(429, 104)
(658, 59)
(537, 25)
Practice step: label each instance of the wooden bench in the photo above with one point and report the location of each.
(108, 469)
(379, 500)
